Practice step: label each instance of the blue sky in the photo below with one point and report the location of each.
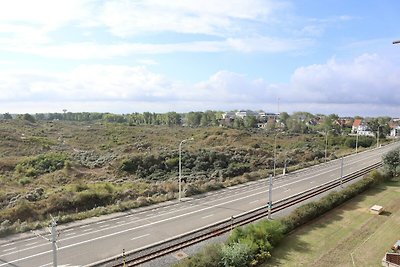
(124, 56)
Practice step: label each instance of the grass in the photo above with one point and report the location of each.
(348, 233)
(95, 152)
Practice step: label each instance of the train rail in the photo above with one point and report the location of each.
(164, 247)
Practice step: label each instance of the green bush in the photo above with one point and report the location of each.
(25, 181)
(237, 254)
(41, 164)
(210, 256)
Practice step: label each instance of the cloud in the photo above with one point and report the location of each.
(368, 78)
(128, 18)
(368, 83)
(88, 50)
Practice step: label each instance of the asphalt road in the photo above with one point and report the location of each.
(92, 240)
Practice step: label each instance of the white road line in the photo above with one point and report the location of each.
(9, 249)
(84, 226)
(131, 215)
(6, 245)
(48, 264)
(100, 222)
(254, 201)
(113, 219)
(167, 219)
(120, 222)
(208, 216)
(140, 236)
(69, 234)
(30, 239)
(106, 225)
(68, 230)
(31, 244)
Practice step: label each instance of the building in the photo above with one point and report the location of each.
(361, 128)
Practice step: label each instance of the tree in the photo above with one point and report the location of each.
(391, 161)
(27, 117)
(250, 121)
(7, 116)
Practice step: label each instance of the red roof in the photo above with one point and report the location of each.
(357, 122)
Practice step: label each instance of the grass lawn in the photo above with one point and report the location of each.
(347, 232)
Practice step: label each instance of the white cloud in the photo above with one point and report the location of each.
(127, 18)
(80, 51)
(366, 79)
(368, 83)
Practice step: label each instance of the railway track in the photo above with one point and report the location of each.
(164, 247)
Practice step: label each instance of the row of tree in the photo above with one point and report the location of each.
(298, 122)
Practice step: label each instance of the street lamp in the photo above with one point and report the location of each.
(270, 180)
(357, 143)
(326, 144)
(396, 42)
(180, 166)
(275, 153)
(377, 137)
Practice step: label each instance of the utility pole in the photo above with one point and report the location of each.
(341, 173)
(53, 239)
(270, 197)
(357, 143)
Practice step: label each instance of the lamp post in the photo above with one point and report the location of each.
(377, 137)
(275, 153)
(180, 166)
(396, 42)
(270, 180)
(326, 144)
(357, 143)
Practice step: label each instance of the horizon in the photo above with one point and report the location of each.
(123, 56)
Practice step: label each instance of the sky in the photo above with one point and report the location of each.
(125, 56)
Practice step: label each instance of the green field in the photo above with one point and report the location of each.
(346, 234)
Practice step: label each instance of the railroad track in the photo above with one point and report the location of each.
(142, 255)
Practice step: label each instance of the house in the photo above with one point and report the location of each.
(361, 128)
(395, 131)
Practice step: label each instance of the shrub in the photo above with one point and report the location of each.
(237, 254)
(41, 164)
(25, 181)
(210, 256)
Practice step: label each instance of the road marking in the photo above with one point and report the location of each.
(131, 215)
(207, 216)
(48, 264)
(31, 244)
(113, 219)
(6, 245)
(160, 221)
(120, 222)
(30, 239)
(68, 230)
(254, 201)
(106, 225)
(140, 236)
(70, 234)
(9, 249)
(87, 230)
(84, 226)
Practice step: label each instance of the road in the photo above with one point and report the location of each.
(92, 240)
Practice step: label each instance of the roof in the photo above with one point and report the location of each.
(357, 122)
